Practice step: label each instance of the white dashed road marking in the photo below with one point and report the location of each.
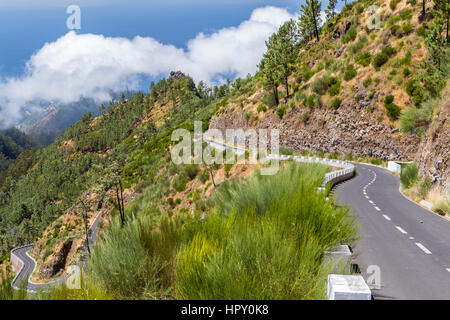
(401, 230)
(422, 247)
(386, 217)
(378, 209)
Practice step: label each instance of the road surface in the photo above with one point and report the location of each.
(30, 264)
(409, 244)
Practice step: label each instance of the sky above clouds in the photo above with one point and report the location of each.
(118, 45)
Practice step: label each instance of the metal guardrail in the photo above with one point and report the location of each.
(347, 169)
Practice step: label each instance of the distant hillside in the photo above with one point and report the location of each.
(12, 143)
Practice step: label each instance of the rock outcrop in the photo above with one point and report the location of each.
(350, 129)
(433, 157)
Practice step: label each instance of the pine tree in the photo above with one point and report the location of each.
(309, 19)
(443, 10)
(277, 63)
(330, 12)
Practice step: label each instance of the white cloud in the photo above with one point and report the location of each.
(90, 65)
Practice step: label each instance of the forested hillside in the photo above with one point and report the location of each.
(12, 143)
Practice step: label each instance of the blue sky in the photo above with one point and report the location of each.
(26, 26)
(123, 45)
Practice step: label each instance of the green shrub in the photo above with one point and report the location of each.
(409, 175)
(248, 115)
(138, 259)
(383, 56)
(394, 29)
(367, 82)
(269, 100)
(392, 111)
(180, 183)
(320, 85)
(424, 188)
(264, 240)
(416, 120)
(299, 96)
(442, 207)
(334, 89)
(261, 108)
(350, 72)
(406, 14)
(407, 27)
(281, 110)
(356, 47)
(415, 91)
(350, 35)
(363, 59)
(305, 116)
(336, 103)
(171, 202)
(191, 170)
(406, 72)
(204, 176)
(310, 101)
(393, 4)
(389, 99)
(421, 31)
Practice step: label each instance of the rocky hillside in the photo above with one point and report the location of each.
(351, 88)
(434, 150)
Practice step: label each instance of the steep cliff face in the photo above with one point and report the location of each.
(353, 128)
(433, 157)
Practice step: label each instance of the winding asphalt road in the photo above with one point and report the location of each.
(410, 245)
(29, 264)
(27, 270)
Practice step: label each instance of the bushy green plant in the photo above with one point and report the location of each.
(320, 85)
(281, 110)
(389, 99)
(442, 207)
(204, 176)
(407, 27)
(393, 4)
(416, 120)
(310, 101)
(334, 89)
(424, 187)
(305, 116)
(367, 82)
(415, 90)
(350, 72)
(138, 259)
(406, 14)
(350, 35)
(421, 31)
(269, 100)
(392, 111)
(261, 108)
(356, 47)
(191, 170)
(274, 228)
(336, 103)
(406, 72)
(409, 175)
(363, 59)
(383, 56)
